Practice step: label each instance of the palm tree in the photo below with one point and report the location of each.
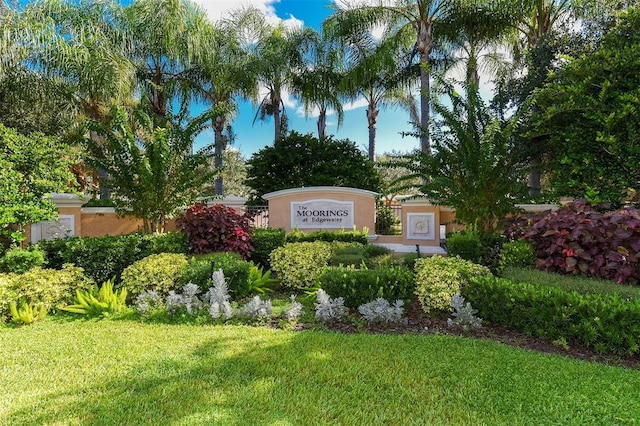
(318, 83)
(169, 38)
(277, 55)
(223, 76)
(474, 31)
(380, 72)
(78, 47)
(418, 17)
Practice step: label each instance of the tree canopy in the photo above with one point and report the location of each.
(298, 160)
(590, 110)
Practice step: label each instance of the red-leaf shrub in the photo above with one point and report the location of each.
(216, 228)
(581, 239)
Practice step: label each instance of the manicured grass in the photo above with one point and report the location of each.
(572, 283)
(90, 372)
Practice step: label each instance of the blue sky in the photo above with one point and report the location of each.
(252, 137)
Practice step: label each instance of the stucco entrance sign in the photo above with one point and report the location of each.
(323, 214)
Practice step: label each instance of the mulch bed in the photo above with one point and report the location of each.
(417, 323)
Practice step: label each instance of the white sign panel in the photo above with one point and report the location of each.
(324, 214)
(422, 226)
(51, 230)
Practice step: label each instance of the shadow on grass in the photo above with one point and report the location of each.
(258, 377)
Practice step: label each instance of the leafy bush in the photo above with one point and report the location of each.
(101, 258)
(160, 272)
(465, 245)
(580, 239)
(19, 261)
(328, 309)
(266, 240)
(519, 254)
(373, 250)
(48, 287)
(99, 301)
(216, 229)
(380, 311)
(386, 221)
(297, 236)
(7, 294)
(359, 286)
(439, 278)
(169, 242)
(298, 265)
(605, 322)
(346, 254)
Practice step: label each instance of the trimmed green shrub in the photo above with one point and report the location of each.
(439, 278)
(298, 265)
(373, 250)
(48, 287)
(345, 254)
(360, 286)
(466, 245)
(297, 236)
(19, 261)
(519, 254)
(607, 323)
(7, 294)
(169, 242)
(160, 272)
(102, 258)
(266, 240)
(577, 283)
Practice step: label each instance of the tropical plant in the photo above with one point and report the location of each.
(27, 313)
(472, 169)
(588, 110)
(260, 281)
(99, 301)
(317, 83)
(216, 228)
(153, 171)
(382, 71)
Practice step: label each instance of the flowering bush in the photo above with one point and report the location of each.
(216, 228)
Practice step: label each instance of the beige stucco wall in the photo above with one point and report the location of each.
(364, 205)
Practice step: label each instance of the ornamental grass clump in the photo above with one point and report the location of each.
(329, 310)
(380, 311)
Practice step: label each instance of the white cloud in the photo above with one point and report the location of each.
(216, 9)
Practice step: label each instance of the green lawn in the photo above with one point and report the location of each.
(129, 373)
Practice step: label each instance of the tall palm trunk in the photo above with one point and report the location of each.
(372, 118)
(322, 124)
(103, 176)
(425, 42)
(218, 128)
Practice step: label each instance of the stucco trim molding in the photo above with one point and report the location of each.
(318, 189)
